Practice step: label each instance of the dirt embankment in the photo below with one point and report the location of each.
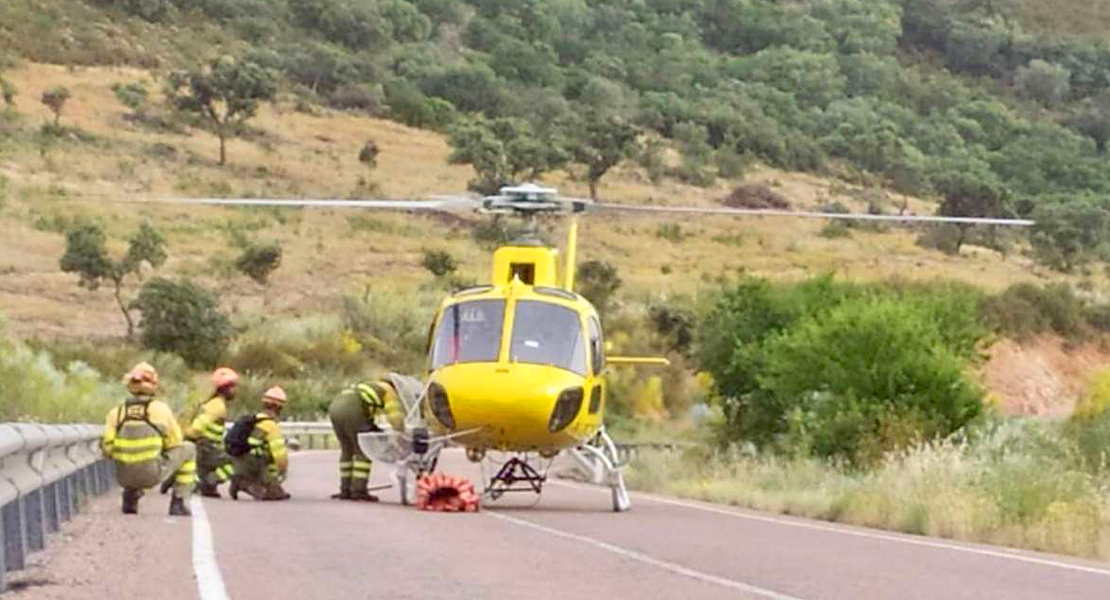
(1043, 377)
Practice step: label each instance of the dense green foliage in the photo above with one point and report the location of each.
(801, 85)
(183, 318)
(837, 369)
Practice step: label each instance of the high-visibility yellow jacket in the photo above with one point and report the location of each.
(267, 439)
(210, 422)
(393, 411)
(139, 430)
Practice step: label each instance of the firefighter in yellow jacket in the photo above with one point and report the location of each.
(262, 462)
(207, 431)
(356, 410)
(143, 438)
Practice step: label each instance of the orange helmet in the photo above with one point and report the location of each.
(275, 396)
(142, 379)
(224, 376)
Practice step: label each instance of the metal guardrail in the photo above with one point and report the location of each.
(319, 435)
(47, 472)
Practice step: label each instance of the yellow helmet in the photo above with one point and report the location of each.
(142, 379)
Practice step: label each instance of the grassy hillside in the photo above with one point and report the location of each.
(328, 252)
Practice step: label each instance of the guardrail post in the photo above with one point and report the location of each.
(26, 474)
(13, 544)
(49, 472)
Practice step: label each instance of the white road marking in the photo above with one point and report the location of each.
(647, 560)
(210, 584)
(930, 543)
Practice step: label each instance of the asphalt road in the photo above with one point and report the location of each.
(566, 546)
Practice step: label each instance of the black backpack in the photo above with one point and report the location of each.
(238, 440)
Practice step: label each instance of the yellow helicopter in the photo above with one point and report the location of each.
(518, 365)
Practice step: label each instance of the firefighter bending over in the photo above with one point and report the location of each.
(207, 431)
(355, 411)
(257, 449)
(143, 438)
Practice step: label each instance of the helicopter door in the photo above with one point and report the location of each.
(597, 349)
(597, 364)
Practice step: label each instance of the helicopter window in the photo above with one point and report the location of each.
(525, 271)
(597, 350)
(469, 332)
(548, 334)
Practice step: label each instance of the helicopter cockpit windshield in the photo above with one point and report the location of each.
(547, 334)
(469, 332)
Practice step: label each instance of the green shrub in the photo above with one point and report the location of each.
(1024, 309)
(870, 376)
(835, 229)
(259, 261)
(183, 318)
(672, 232)
(838, 369)
(946, 238)
(439, 262)
(392, 326)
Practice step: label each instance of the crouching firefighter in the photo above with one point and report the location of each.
(207, 429)
(257, 449)
(143, 438)
(355, 411)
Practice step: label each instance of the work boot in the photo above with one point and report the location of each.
(131, 501)
(344, 495)
(233, 489)
(276, 497)
(209, 490)
(178, 508)
(363, 496)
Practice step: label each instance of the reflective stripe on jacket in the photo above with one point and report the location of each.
(267, 439)
(140, 430)
(210, 422)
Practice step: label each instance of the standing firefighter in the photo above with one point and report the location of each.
(207, 432)
(143, 438)
(257, 449)
(354, 411)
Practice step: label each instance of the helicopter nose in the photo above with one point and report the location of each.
(511, 401)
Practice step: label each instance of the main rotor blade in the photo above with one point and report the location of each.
(759, 212)
(434, 205)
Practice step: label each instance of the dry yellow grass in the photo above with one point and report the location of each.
(306, 155)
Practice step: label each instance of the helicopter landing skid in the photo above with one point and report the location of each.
(515, 471)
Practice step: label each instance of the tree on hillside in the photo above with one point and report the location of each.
(601, 143)
(1043, 81)
(55, 99)
(226, 92)
(181, 317)
(1068, 233)
(368, 155)
(1093, 120)
(504, 151)
(133, 95)
(969, 193)
(86, 254)
(597, 281)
